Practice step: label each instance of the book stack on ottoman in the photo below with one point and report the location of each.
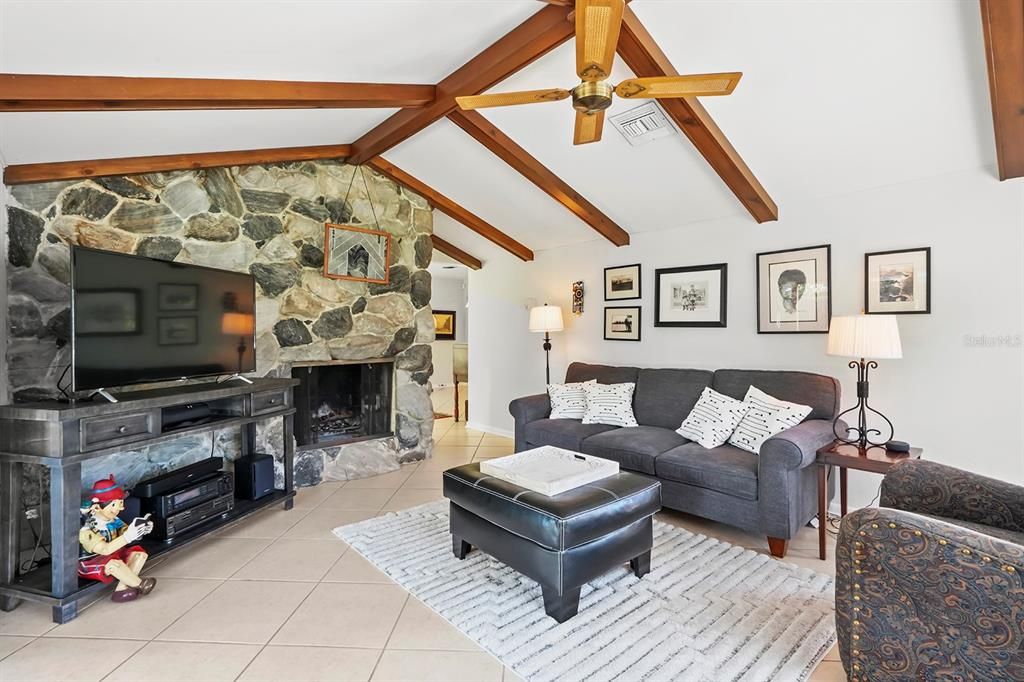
(556, 516)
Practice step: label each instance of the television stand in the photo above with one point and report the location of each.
(103, 393)
(61, 435)
(234, 376)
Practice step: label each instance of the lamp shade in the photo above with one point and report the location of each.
(865, 336)
(546, 318)
(237, 324)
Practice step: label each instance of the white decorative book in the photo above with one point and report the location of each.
(549, 470)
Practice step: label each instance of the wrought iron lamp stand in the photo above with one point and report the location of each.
(862, 432)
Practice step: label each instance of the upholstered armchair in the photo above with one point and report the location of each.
(930, 586)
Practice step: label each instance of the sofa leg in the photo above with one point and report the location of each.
(561, 607)
(641, 565)
(777, 546)
(460, 548)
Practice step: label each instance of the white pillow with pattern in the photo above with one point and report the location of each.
(568, 401)
(610, 404)
(766, 417)
(713, 419)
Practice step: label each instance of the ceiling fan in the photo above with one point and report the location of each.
(597, 35)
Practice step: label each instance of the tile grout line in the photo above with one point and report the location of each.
(387, 641)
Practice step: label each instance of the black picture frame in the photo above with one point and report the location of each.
(927, 251)
(723, 307)
(444, 336)
(828, 286)
(639, 322)
(188, 293)
(86, 300)
(164, 333)
(637, 278)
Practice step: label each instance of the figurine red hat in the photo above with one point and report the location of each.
(106, 490)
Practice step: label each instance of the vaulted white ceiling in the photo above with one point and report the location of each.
(836, 97)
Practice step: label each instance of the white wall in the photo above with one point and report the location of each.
(4, 398)
(448, 293)
(959, 400)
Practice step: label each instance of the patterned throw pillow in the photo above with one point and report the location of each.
(712, 419)
(609, 404)
(568, 401)
(766, 417)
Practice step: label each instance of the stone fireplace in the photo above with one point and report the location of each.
(343, 403)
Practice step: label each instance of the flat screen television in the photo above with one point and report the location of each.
(137, 319)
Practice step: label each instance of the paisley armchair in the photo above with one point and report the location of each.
(930, 586)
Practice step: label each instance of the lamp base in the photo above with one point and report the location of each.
(862, 433)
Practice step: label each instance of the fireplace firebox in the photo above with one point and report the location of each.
(342, 403)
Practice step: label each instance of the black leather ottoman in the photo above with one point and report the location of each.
(561, 541)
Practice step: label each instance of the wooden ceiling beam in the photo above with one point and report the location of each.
(643, 56)
(455, 253)
(450, 208)
(132, 165)
(31, 92)
(1003, 24)
(535, 37)
(505, 148)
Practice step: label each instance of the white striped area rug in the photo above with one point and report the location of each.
(707, 610)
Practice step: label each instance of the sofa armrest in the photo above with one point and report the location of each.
(914, 593)
(531, 408)
(931, 488)
(797, 446)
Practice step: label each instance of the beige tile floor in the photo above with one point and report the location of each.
(280, 598)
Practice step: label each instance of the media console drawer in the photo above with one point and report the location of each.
(97, 432)
(269, 401)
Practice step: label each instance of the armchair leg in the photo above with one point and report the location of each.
(777, 546)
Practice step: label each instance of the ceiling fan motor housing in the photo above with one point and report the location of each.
(592, 96)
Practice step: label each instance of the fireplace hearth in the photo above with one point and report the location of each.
(342, 403)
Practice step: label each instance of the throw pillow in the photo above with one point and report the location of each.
(766, 417)
(568, 401)
(609, 404)
(712, 419)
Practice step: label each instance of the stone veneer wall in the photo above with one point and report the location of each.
(269, 221)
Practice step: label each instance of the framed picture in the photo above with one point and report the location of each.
(693, 296)
(444, 325)
(622, 324)
(174, 297)
(898, 282)
(356, 253)
(794, 291)
(108, 312)
(622, 282)
(177, 331)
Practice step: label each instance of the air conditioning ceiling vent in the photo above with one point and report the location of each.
(642, 124)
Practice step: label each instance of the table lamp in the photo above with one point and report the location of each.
(546, 318)
(240, 325)
(867, 338)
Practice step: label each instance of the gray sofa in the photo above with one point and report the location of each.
(774, 494)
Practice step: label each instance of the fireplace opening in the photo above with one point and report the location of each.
(342, 403)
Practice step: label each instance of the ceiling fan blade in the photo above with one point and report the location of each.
(588, 127)
(504, 99)
(696, 85)
(597, 35)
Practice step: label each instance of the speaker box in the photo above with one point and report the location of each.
(254, 476)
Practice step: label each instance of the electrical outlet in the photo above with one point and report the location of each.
(31, 514)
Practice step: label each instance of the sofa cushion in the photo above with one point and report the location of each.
(726, 469)
(609, 404)
(633, 447)
(819, 392)
(665, 396)
(604, 374)
(562, 433)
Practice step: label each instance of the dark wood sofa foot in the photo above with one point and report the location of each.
(641, 565)
(561, 607)
(460, 548)
(777, 546)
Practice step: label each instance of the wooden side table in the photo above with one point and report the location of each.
(876, 459)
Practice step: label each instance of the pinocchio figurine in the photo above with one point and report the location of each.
(107, 552)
